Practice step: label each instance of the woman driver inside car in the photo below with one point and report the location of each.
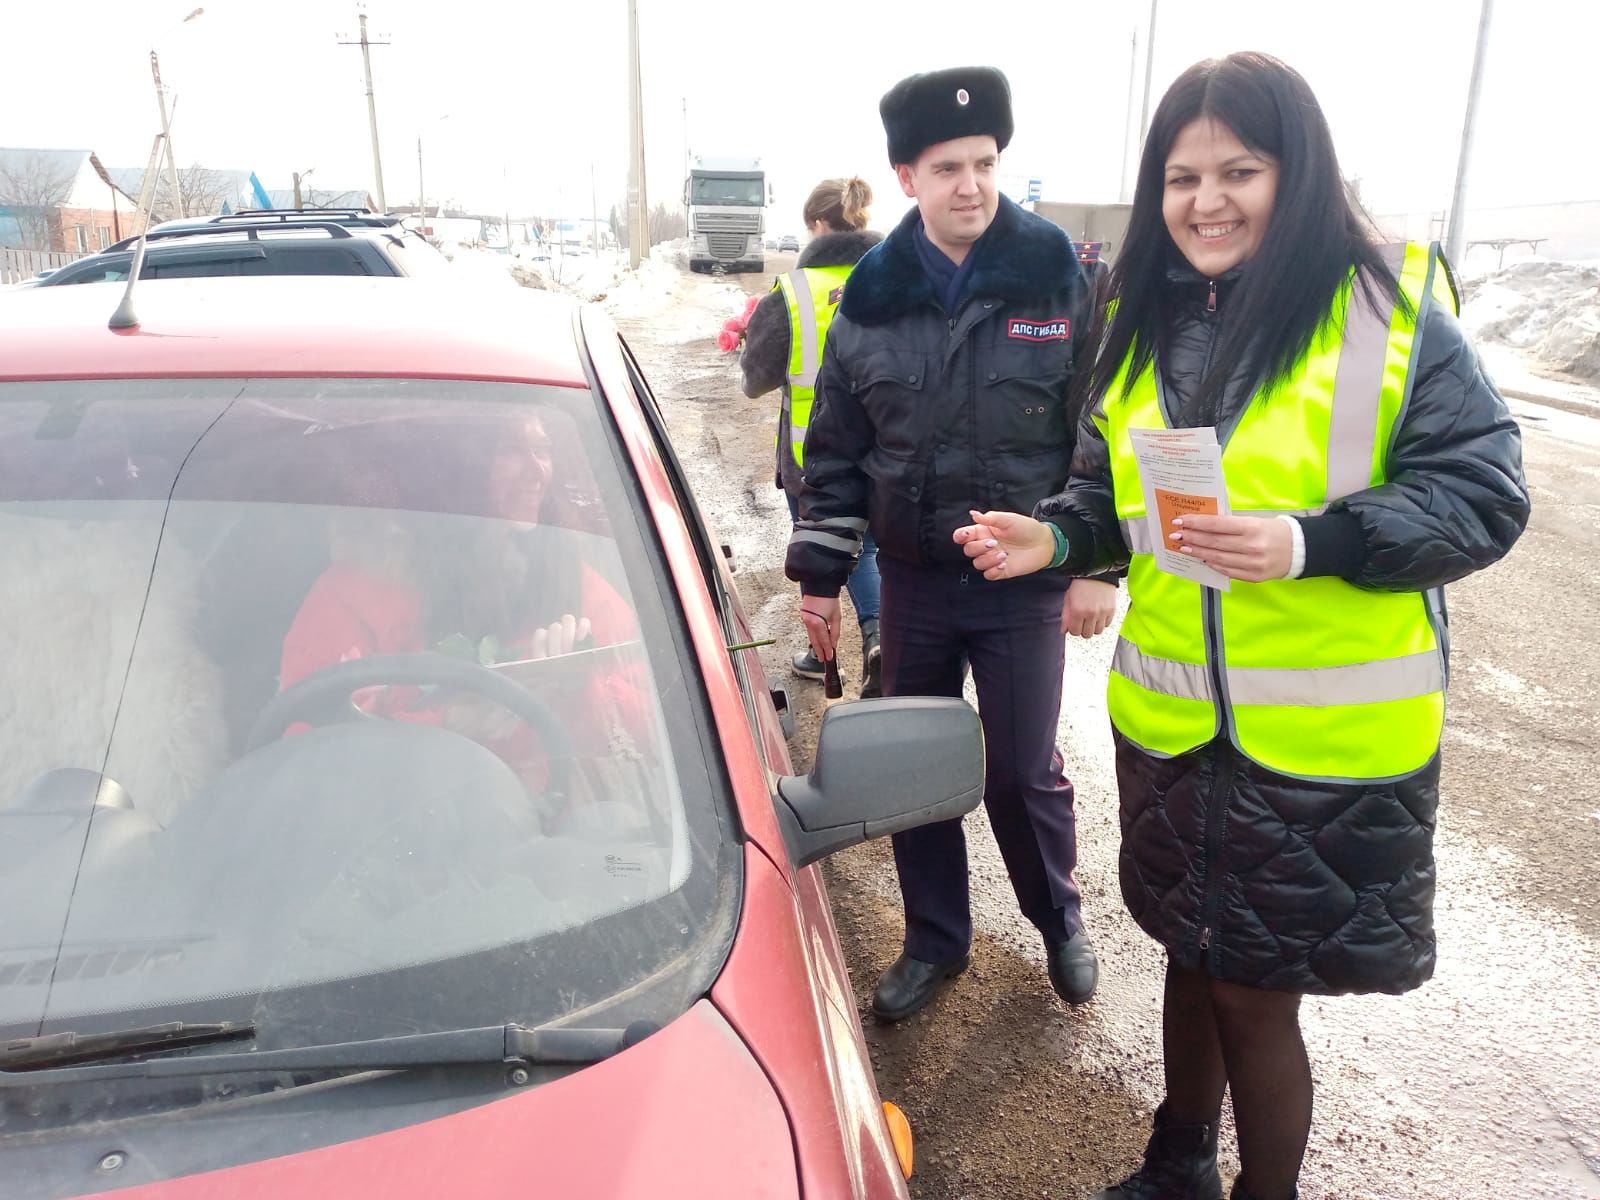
(495, 591)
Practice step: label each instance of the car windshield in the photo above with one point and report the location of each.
(723, 189)
(343, 706)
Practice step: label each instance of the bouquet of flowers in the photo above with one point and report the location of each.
(731, 336)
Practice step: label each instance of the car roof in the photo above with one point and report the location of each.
(291, 326)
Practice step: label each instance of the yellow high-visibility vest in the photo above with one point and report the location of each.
(1314, 678)
(812, 296)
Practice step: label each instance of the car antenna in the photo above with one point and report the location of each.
(125, 317)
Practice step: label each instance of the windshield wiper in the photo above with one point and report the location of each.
(62, 1049)
(511, 1044)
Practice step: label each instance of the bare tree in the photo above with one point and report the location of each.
(666, 224)
(203, 191)
(33, 187)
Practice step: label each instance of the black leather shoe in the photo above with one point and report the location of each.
(1074, 970)
(910, 983)
(1180, 1163)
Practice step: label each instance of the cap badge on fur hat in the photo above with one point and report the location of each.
(941, 106)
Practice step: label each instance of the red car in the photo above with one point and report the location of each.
(390, 803)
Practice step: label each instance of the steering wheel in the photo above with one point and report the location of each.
(324, 698)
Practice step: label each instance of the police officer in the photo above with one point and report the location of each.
(943, 389)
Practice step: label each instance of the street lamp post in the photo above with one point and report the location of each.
(1455, 238)
(178, 208)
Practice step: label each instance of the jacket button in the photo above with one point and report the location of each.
(911, 378)
(1027, 412)
(993, 375)
(915, 492)
(943, 446)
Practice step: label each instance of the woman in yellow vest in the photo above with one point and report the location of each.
(783, 349)
(1277, 693)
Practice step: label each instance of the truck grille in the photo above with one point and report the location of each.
(724, 222)
(726, 245)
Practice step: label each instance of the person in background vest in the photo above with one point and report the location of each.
(775, 349)
(1277, 742)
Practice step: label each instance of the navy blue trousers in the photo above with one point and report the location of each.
(937, 623)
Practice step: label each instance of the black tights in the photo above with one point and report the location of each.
(1219, 1035)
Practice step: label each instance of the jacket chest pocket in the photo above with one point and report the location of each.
(1023, 397)
(890, 386)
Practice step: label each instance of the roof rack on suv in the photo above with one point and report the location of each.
(334, 229)
(261, 214)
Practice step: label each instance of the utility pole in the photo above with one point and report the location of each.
(638, 212)
(166, 130)
(372, 108)
(1149, 69)
(1127, 120)
(594, 213)
(422, 204)
(686, 150)
(1455, 239)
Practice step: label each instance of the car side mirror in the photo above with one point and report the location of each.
(882, 766)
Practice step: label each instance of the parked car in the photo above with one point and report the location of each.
(392, 803)
(264, 242)
(788, 242)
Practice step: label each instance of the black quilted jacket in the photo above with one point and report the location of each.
(1252, 876)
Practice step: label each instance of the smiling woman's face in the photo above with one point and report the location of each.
(1218, 196)
(519, 473)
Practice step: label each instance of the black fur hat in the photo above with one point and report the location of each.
(923, 110)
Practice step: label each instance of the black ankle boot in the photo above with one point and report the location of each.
(871, 661)
(1180, 1163)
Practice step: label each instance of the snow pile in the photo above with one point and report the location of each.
(681, 307)
(1548, 310)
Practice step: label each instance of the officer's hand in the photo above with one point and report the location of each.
(1252, 549)
(1006, 545)
(821, 617)
(1090, 607)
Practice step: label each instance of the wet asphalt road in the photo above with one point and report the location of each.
(1484, 1083)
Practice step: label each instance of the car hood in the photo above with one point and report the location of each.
(687, 1113)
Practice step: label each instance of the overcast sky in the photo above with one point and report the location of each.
(515, 101)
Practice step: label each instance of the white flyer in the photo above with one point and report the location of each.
(1181, 472)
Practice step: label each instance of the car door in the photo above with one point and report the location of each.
(871, 1158)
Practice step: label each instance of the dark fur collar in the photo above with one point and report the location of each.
(1021, 257)
(839, 249)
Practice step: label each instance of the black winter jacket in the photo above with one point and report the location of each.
(1252, 876)
(921, 416)
(764, 362)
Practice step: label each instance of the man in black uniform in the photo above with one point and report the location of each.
(943, 389)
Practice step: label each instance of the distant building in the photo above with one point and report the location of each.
(61, 200)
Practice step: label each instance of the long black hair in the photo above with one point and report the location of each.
(1317, 232)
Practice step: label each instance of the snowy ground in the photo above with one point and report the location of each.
(1538, 318)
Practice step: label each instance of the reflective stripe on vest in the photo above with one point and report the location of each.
(812, 297)
(1313, 678)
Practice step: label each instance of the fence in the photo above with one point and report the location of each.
(16, 266)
